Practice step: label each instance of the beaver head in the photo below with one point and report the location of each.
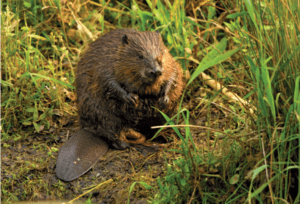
(140, 59)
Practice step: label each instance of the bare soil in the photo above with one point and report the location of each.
(28, 166)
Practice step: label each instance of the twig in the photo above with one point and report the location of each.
(217, 86)
(105, 182)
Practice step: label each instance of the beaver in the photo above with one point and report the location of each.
(119, 79)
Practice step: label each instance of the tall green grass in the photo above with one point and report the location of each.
(35, 80)
(270, 38)
(275, 69)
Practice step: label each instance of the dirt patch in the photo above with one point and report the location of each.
(28, 166)
(28, 171)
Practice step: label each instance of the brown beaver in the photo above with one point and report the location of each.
(119, 79)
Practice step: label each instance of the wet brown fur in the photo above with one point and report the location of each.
(116, 91)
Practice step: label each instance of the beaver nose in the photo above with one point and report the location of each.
(156, 72)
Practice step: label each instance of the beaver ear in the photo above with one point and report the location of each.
(157, 32)
(125, 40)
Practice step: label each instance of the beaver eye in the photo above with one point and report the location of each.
(159, 62)
(141, 57)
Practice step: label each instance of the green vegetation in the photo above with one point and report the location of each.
(245, 153)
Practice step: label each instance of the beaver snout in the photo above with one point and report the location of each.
(152, 75)
(155, 73)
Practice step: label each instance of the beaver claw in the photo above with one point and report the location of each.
(163, 101)
(132, 99)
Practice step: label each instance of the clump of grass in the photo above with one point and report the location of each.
(275, 72)
(33, 87)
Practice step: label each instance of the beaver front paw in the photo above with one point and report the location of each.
(132, 99)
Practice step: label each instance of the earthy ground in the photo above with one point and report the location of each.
(28, 166)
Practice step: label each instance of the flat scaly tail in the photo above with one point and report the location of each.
(79, 154)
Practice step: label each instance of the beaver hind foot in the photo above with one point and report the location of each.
(79, 154)
(131, 136)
